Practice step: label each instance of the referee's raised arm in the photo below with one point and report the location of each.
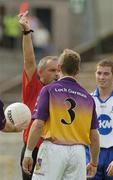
(28, 51)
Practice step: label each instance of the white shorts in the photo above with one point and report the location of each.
(59, 162)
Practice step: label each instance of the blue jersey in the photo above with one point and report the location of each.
(2, 116)
(104, 111)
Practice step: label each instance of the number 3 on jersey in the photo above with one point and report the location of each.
(70, 111)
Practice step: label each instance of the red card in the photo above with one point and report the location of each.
(23, 7)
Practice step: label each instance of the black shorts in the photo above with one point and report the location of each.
(34, 155)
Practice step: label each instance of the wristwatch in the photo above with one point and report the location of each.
(27, 32)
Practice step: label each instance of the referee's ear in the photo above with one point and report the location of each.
(59, 67)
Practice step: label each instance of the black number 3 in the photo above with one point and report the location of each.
(70, 111)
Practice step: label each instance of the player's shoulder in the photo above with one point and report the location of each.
(84, 91)
(51, 85)
(88, 95)
(94, 94)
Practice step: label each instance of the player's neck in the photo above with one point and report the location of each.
(105, 93)
(66, 75)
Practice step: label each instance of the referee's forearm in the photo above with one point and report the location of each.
(28, 50)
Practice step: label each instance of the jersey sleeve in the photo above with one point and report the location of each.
(2, 116)
(41, 110)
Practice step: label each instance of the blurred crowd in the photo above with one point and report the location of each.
(10, 33)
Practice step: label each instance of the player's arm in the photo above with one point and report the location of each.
(28, 51)
(9, 127)
(94, 153)
(40, 116)
(94, 146)
(34, 135)
(110, 169)
(5, 126)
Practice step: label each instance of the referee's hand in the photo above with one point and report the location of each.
(24, 21)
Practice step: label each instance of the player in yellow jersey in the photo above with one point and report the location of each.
(66, 120)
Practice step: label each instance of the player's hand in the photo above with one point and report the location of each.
(110, 169)
(91, 170)
(27, 165)
(24, 21)
(21, 126)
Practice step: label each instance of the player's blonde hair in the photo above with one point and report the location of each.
(69, 62)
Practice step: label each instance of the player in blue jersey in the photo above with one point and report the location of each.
(7, 126)
(103, 97)
(66, 119)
